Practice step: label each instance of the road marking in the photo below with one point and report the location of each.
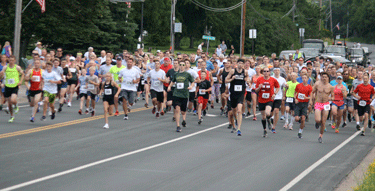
(211, 115)
(111, 159)
(63, 124)
(317, 163)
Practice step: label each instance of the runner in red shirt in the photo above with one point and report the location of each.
(35, 92)
(365, 95)
(302, 95)
(265, 87)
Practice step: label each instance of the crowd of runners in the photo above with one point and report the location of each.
(287, 89)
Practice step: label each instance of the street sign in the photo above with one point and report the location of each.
(178, 27)
(253, 33)
(208, 37)
(337, 37)
(301, 31)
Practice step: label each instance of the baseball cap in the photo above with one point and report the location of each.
(118, 58)
(308, 62)
(158, 51)
(290, 54)
(166, 59)
(72, 58)
(339, 77)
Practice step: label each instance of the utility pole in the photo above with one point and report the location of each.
(320, 20)
(243, 26)
(142, 26)
(17, 31)
(294, 4)
(347, 26)
(173, 19)
(330, 12)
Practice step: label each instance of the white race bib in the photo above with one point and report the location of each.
(36, 79)
(327, 107)
(108, 91)
(237, 88)
(201, 92)
(72, 70)
(289, 100)
(215, 79)
(266, 95)
(90, 87)
(143, 82)
(157, 83)
(362, 103)
(301, 96)
(180, 86)
(129, 82)
(253, 86)
(11, 81)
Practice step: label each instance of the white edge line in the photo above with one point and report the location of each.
(110, 159)
(317, 163)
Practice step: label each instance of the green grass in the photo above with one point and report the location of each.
(368, 183)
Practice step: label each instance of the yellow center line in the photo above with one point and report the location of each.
(63, 124)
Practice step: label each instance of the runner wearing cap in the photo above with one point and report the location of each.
(302, 96)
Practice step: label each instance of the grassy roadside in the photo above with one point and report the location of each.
(368, 183)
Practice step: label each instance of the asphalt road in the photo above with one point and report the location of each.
(74, 152)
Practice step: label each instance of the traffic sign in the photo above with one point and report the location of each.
(178, 27)
(301, 31)
(208, 37)
(253, 33)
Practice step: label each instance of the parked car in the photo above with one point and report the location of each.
(335, 50)
(360, 56)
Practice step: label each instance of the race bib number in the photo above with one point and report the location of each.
(301, 96)
(327, 107)
(289, 100)
(143, 82)
(108, 91)
(266, 95)
(36, 78)
(201, 92)
(90, 87)
(362, 103)
(253, 86)
(64, 76)
(72, 70)
(238, 88)
(11, 81)
(180, 86)
(215, 79)
(128, 82)
(157, 83)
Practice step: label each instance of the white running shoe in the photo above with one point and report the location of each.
(69, 104)
(106, 126)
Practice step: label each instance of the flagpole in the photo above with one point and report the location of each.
(17, 31)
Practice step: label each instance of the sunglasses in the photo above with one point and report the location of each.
(266, 71)
(35, 54)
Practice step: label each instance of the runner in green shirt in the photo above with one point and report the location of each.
(181, 94)
(115, 70)
(289, 101)
(12, 74)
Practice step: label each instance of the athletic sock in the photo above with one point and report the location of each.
(264, 124)
(357, 122)
(286, 117)
(300, 131)
(292, 120)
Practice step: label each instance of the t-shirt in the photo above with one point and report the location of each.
(204, 86)
(182, 81)
(152, 66)
(58, 70)
(303, 92)
(170, 74)
(195, 75)
(115, 72)
(91, 87)
(82, 86)
(47, 77)
(291, 88)
(365, 92)
(355, 83)
(128, 75)
(166, 69)
(251, 72)
(282, 83)
(156, 84)
(267, 90)
(104, 69)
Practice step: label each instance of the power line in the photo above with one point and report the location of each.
(218, 9)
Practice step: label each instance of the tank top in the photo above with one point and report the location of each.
(255, 79)
(214, 76)
(35, 79)
(12, 77)
(223, 76)
(65, 71)
(73, 71)
(109, 91)
(237, 86)
(339, 97)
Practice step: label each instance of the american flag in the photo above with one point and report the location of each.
(42, 4)
(129, 4)
(338, 26)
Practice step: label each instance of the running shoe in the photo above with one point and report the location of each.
(320, 139)
(178, 129)
(204, 112)
(116, 113)
(126, 117)
(53, 115)
(358, 127)
(254, 118)
(333, 125)
(129, 109)
(173, 119)
(43, 118)
(265, 133)
(69, 104)
(217, 100)
(195, 112)
(1, 107)
(325, 129)
(200, 121)
(59, 110)
(189, 110)
(300, 135)
(157, 115)
(212, 106)
(291, 126)
(162, 113)
(282, 117)
(221, 111)
(337, 131)
(80, 111)
(229, 126)
(93, 113)
(362, 133)
(16, 109)
(146, 105)
(248, 114)
(153, 110)
(32, 119)
(344, 125)
(307, 119)
(273, 130)
(6, 110)
(243, 114)
(317, 125)
(233, 130)
(238, 133)
(183, 123)
(11, 120)
(286, 125)
(49, 113)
